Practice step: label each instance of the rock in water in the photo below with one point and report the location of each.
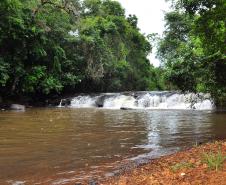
(17, 107)
(126, 108)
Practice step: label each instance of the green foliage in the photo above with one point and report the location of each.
(51, 47)
(178, 53)
(4, 76)
(182, 165)
(193, 47)
(114, 48)
(32, 41)
(34, 78)
(214, 161)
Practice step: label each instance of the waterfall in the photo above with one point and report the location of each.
(119, 102)
(144, 100)
(83, 101)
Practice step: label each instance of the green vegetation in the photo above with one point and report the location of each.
(214, 161)
(52, 47)
(182, 165)
(192, 49)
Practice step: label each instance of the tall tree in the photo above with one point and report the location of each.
(193, 46)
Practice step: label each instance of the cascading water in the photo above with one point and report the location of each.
(118, 102)
(83, 101)
(144, 100)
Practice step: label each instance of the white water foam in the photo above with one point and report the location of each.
(119, 102)
(145, 100)
(83, 102)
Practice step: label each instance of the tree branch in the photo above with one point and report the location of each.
(66, 6)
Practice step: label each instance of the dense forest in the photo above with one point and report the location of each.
(55, 47)
(52, 46)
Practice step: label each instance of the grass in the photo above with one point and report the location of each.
(182, 165)
(214, 160)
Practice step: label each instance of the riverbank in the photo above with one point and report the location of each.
(204, 164)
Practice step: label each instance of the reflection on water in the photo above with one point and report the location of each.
(57, 146)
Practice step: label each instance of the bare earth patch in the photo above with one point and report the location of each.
(182, 168)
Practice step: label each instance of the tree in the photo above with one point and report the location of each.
(193, 46)
(32, 45)
(48, 47)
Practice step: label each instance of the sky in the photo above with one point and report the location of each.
(150, 15)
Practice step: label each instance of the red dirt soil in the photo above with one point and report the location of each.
(169, 170)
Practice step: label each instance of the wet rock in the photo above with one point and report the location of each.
(100, 101)
(139, 94)
(58, 102)
(65, 102)
(128, 93)
(126, 108)
(17, 107)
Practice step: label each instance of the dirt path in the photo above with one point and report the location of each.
(182, 168)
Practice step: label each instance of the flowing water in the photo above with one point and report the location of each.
(142, 100)
(67, 145)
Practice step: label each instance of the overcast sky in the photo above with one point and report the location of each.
(150, 15)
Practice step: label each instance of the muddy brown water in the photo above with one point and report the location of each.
(64, 146)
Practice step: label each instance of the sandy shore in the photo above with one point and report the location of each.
(182, 168)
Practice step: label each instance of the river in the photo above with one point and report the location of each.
(67, 145)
